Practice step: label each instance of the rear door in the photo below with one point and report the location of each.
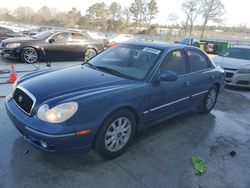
(169, 97)
(201, 75)
(77, 44)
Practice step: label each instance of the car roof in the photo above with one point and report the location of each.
(159, 45)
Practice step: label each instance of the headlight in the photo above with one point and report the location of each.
(57, 114)
(13, 45)
(244, 71)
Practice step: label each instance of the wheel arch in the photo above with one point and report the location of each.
(37, 50)
(217, 85)
(125, 107)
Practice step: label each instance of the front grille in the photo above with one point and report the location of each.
(23, 100)
(243, 82)
(229, 74)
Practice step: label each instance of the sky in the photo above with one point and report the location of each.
(237, 11)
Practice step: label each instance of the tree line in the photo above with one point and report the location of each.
(115, 18)
(210, 11)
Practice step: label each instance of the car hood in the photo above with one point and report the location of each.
(73, 82)
(18, 39)
(230, 63)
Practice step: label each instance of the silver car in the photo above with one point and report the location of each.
(236, 63)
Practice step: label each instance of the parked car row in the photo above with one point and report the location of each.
(8, 33)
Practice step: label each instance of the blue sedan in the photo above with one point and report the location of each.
(104, 102)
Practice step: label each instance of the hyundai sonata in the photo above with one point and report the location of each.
(102, 103)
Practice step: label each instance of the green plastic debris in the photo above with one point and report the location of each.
(199, 165)
(4, 71)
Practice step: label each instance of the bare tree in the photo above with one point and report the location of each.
(192, 8)
(212, 11)
(126, 16)
(152, 9)
(173, 18)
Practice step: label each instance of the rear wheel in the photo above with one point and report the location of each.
(29, 55)
(209, 100)
(116, 134)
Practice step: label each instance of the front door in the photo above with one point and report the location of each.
(169, 97)
(57, 49)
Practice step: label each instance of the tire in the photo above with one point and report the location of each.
(29, 55)
(111, 140)
(209, 101)
(89, 53)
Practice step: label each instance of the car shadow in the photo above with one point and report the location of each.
(235, 88)
(178, 130)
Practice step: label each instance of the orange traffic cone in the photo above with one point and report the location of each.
(12, 77)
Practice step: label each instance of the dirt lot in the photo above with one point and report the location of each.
(160, 157)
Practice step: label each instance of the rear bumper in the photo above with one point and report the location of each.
(65, 141)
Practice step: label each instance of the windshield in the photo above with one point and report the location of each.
(237, 53)
(129, 61)
(43, 35)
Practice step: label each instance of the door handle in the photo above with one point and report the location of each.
(186, 84)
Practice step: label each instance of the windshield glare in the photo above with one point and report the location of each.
(43, 35)
(131, 61)
(237, 53)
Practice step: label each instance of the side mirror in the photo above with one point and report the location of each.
(51, 40)
(168, 76)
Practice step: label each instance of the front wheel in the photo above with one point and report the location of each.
(29, 55)
(116, 134)
(209, 100)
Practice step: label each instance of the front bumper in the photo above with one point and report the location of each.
(233, 78)
(64, 141)
(10, 53)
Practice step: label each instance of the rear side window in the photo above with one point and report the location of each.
(197, 61)
(175, 62)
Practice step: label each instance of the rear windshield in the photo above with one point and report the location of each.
(237, 53)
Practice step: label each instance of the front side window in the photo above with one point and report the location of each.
(197, 61)
(175, 62)
(128, 61)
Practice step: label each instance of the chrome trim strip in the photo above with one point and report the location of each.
(30, 95)
(156, 108)
(194, 95)
(168, 104)
(49, 135)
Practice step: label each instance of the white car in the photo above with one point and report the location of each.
(121, 38)
(236, 63)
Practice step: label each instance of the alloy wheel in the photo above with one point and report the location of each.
(118, 134)
(30, 56)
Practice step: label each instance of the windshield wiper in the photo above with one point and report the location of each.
(91, 65)
(112, 71)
